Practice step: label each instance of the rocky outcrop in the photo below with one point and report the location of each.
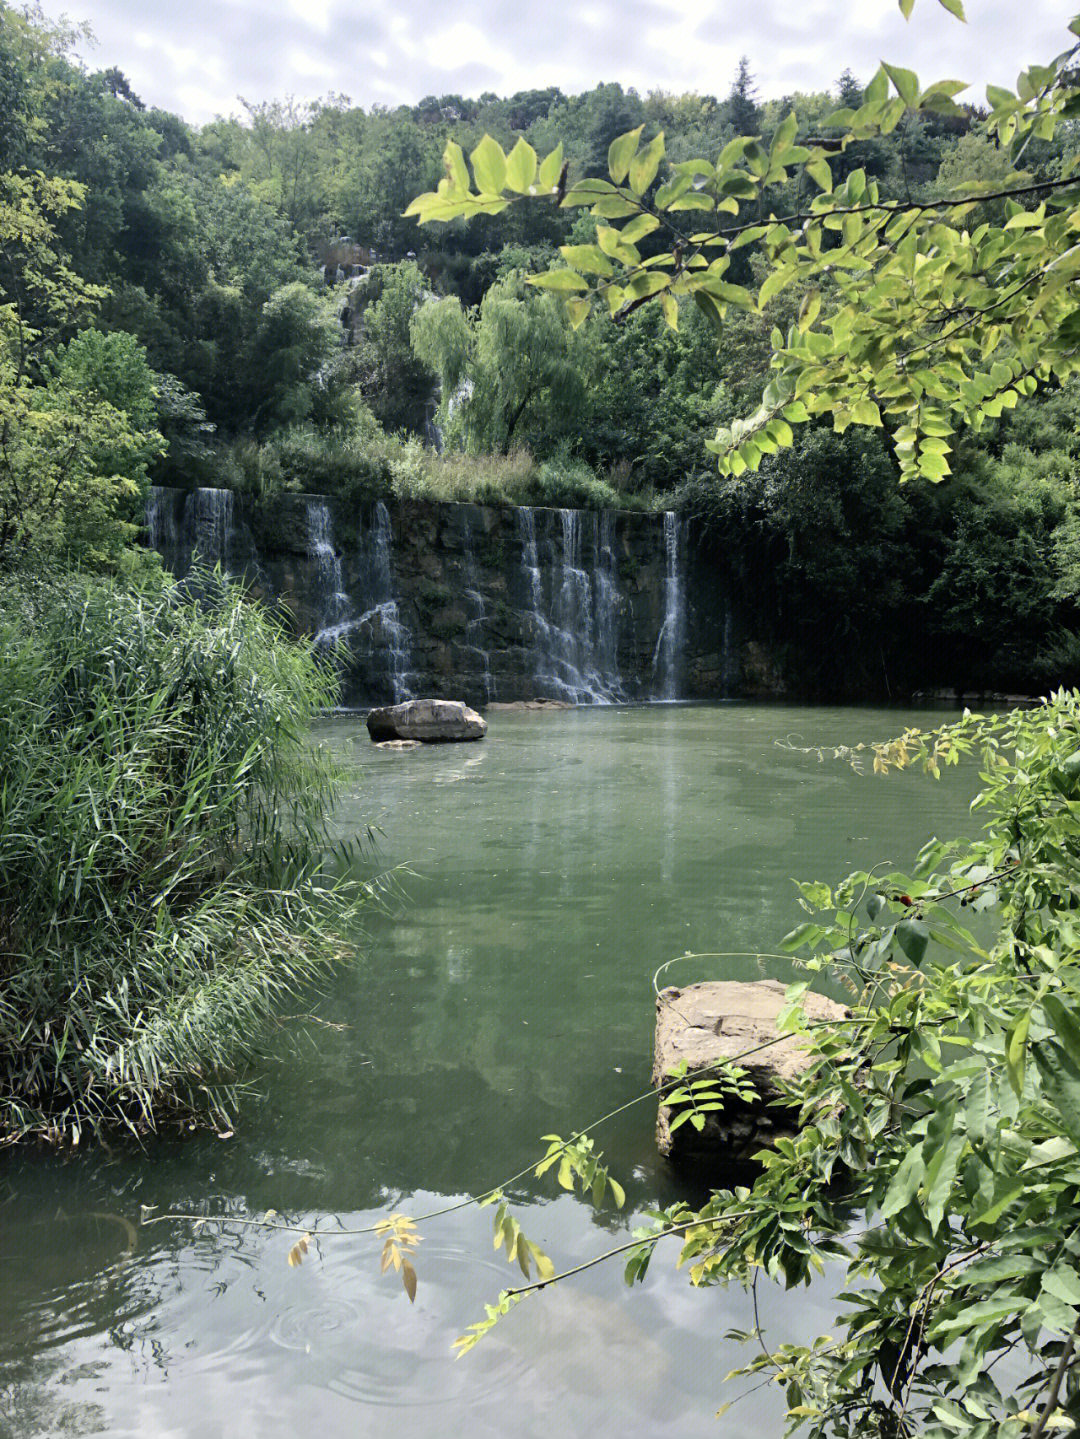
(710, 1023)
(427, 721)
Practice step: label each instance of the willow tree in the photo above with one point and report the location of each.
(509, 368)
(937, 1162)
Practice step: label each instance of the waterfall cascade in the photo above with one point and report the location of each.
(669, 642)
(465, 600)
(376, 633)
(476, 641)
(199, 526)
(331, 599)
(573, 619)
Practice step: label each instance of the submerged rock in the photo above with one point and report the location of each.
(707, 1023)
(540, 704)
(398, 744)
(427, 721)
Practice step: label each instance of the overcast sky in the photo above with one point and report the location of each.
(197, 56)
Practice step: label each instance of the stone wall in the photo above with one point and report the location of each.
(477, 602)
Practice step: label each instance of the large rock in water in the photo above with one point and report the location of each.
(705, 1024)
(430, 721)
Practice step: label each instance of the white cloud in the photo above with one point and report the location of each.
(197, 59)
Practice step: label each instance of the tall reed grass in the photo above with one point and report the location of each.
(163, 844)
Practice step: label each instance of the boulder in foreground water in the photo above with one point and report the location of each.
(429, 721)
(707, 1024)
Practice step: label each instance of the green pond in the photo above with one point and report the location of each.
(545, 875)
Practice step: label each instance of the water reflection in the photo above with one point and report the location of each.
(555, 869)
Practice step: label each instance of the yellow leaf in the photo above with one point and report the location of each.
(408, 1278)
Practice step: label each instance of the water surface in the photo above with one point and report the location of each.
(550, 871)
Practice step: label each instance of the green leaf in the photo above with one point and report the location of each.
(521, 168)
(906, 82)
(731, 294)
(866, 412)
(454, 160)
(620, 152)
(588, 259)
(551, 168)
(821, 174)
(1016, 1053)
(561, 280)
(714, 313)
(904, 1183)
(1065, 1025)
(1061, 1085)
(774, 282)
(489, 166)
(644, 165)
(954, 7)
(906, 7)
(1004, 1192)
(578, 310)
(803, 936)
(637, 228)
(672, 190)
(613, 207)
(1064, 1283)
(913, 935)
(975, 1315)
(1055, 1313)
(878, 88)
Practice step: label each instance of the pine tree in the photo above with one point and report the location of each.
(743, 111)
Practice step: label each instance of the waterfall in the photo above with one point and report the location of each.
(332, 603)
(199, 526)
(380, 643)
(668, 652)
(162, 530)
(607, 596)
(476, 625)
(504, 603)
(572, 638)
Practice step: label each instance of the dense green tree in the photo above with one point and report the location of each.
(394, 382)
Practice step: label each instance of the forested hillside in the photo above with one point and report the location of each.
(245, 305)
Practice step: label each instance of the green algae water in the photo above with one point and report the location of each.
(545, 874)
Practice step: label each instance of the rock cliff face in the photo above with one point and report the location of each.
(476, 602)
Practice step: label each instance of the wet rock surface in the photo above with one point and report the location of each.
(427, 721)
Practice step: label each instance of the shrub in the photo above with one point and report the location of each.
(163, 877)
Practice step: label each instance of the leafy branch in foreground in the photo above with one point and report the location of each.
(916, 314)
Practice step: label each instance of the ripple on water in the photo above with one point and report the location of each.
(306, 1329)
(405, 1359)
